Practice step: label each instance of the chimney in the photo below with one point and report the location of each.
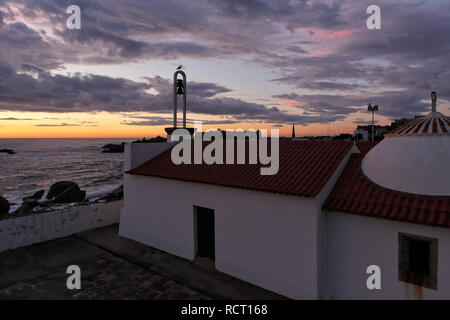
(433, 101)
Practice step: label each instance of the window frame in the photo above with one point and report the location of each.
(427, 281)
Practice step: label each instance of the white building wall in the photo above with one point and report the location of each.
(136, 154)
(267, 239)
(322, 225)
(355, 242)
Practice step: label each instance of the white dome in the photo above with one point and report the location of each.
(414, 158)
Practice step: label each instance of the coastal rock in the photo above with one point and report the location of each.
(8, 151)
(24, 208)
(27, 206)
(120, 148)
(114, 148)
(151, 140)
(30, 203)
(66, 192)
(45, 203)
(4, 206)
(36, 196)
(59, 187)
(116, 194)
(73, 194)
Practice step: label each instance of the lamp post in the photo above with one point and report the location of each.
(373, 109)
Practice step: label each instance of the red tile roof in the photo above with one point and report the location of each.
(305, 167)
(366, 146)
(432, 124)
(355, 194)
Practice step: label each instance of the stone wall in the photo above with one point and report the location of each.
(39, 227)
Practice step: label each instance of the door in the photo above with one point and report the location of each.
(205, 232)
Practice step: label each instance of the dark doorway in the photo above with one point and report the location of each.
(205, 232)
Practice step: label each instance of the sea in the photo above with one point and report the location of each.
(38, 163)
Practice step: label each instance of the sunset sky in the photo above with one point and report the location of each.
(250, 65)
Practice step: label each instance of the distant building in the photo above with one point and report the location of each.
(364, 133)
(334, 209)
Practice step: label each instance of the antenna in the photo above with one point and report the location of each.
(433, 101)
(373, 109)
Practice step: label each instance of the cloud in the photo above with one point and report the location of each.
(360, 121)
(42, 91)
(319, 50)
(293, 14)
(162, 121)
(59, 125)
(297, 49)
(393, 104)
(137, 30)
(21, 44)
(14, 119)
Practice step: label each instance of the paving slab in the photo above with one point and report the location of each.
(113, 267)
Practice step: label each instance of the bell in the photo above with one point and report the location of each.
(180, 86)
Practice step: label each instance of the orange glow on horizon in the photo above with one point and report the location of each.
(105, 125)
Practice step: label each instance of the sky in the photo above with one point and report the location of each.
(250, 64)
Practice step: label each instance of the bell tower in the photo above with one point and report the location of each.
(179, 88)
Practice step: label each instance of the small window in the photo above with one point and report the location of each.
(418, 260)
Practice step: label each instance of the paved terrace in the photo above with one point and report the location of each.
(113, 267)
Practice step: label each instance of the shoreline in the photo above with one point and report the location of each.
(92, 197)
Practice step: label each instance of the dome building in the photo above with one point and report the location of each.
(413, 158)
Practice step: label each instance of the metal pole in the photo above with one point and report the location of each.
(373, 122)
(175, 99)
(184, 100)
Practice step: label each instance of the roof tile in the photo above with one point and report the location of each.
(305, 167)
(393, 205)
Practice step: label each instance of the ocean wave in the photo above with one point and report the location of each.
(95, 194)
(42, 162)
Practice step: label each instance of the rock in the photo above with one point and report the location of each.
(30, 203)
(36, 196)
(59, 187)
(8, 151)
(114, 148)
(151, 140)
(27, 206)
(45, 203)
(4, 206)
(24, 208)
(73, 194)
(66, 192)
(116, 194)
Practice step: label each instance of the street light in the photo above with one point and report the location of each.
(373, 109)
